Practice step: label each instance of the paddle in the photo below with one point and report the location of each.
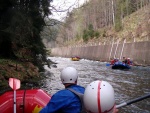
(107, 64)
(133, 101)
(14, 84)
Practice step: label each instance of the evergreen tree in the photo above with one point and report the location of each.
(21, 23)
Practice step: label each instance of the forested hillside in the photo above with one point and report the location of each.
(100, 21)
(103, 21)
(50, 32)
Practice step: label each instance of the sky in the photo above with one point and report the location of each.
(61, 7)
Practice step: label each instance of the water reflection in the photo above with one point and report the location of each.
(127, 84)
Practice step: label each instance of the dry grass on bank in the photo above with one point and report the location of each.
(25, 71)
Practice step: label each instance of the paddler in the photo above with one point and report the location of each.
(65, 101)
(99, 98)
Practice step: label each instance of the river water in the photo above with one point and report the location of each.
(127, 84)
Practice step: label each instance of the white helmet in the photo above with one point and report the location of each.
(99, 97)
(69, 75)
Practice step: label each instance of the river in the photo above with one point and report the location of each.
(127, 84)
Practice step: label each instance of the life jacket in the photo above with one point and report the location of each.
(80, 95)
(129, 62)
(112, 62)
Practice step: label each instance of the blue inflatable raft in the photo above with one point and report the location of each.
(121, 66)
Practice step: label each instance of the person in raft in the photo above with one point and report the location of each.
(129, 62)
(99, 98)
(65, 101)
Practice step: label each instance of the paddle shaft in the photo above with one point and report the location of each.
(14, 101)
(133, 101)
(14, 84)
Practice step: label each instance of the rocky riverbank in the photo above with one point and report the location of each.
(26, 72)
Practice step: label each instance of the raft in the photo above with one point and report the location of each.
(75, 58)
(27, 101)
(121, 66)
